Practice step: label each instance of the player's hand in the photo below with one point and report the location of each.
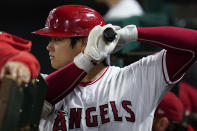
(97, 47)
(127, 34)
(18, 71)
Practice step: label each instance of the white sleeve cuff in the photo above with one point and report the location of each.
(133, 30)
(83, 62)
(165, 72)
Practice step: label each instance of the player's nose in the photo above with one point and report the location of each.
(49, 46)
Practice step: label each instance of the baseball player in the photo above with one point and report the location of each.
(112, 98)
(16, 60)
(60, 50)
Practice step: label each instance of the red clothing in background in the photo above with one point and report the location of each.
(13, 48)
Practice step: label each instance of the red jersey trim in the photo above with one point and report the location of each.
(92, 82)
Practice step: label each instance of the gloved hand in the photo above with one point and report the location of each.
(97, 49)
(127, 34)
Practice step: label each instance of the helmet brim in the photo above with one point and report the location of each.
(50, 33)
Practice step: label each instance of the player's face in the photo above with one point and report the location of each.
(60, 51)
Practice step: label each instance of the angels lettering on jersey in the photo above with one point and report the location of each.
(93, 116)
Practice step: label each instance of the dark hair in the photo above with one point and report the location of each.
(74, 41)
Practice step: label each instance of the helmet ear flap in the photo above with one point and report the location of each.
(71, 21)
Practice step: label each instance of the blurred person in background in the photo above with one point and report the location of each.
(16, 59)
(119, 9)
(169, 115)
(188, 96)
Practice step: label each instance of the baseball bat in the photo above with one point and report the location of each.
(109, 34)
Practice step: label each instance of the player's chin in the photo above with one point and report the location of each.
(54, 65)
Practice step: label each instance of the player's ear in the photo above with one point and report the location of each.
(163, 123)
(84, 43)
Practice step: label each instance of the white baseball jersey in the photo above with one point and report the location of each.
(122, 99)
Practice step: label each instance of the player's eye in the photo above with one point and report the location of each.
(54, 39)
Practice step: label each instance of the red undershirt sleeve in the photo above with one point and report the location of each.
(63, 81)
(180, 43)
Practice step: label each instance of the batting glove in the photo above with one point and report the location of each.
(127, 34)
(97, 48)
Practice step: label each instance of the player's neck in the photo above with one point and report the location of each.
(94, 73)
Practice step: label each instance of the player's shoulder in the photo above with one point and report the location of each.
(153, 58)
(113, 69)
(144, 62)
(116, 71)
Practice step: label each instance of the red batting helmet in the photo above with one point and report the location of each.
(71, 21)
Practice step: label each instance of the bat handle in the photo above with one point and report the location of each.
(109, 34)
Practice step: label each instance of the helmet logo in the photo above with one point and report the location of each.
(50, 17)
(56, 23)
